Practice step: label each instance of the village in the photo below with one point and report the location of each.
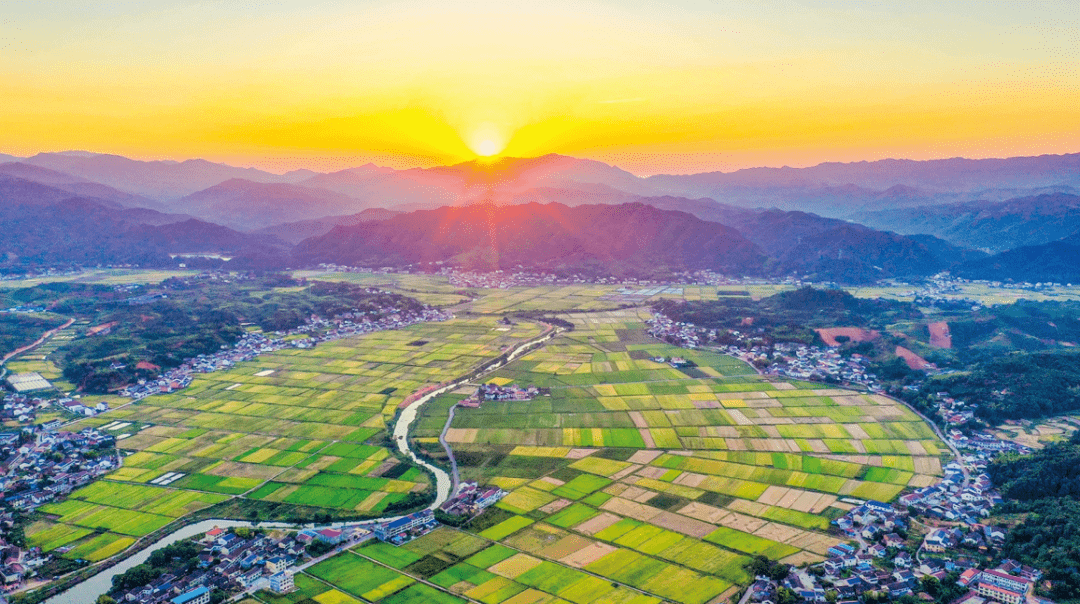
(38, 467)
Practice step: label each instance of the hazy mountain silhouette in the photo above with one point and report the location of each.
(160, 180)
(247, 205)
(996, 226)
(74, 184)
(630, 238)
(295, 232)
(1057, 261)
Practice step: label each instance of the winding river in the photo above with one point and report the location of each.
(87, 591)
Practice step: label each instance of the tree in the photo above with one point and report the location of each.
(105, 599)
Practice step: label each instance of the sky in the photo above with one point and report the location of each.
(653, 87)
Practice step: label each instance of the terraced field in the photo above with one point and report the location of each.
(300, 430)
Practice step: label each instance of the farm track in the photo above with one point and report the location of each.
(36, 343)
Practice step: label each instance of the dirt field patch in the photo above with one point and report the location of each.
(631, 509)
(940, 337)
(644, 457)
(689, 479)
(683, 524)
(596, 524)
(802, 558)
(243, 470)
(913, 360)
(854, 334)
(587, 555)
(555, 506)
(703, 512)
(778, 532)
(741, 522)
(565, 547)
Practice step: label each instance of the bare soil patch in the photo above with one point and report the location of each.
(940, 337)
(854, 334)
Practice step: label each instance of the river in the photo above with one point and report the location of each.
(87, 591)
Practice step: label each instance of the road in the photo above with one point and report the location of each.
(38, 342)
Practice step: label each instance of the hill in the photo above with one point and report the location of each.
(995, 226)
(41, 225)
(247, 205)
(73, 184)
(295, 232)
(825, 248)
(1057, 261)
(159, 180)
(626, 239)
(843, 189)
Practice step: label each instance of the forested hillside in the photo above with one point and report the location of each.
(1046, 490)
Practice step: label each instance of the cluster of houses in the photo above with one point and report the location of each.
(52, 464)
(74, 405)
(471, 500)
(495, 392)
(823, 364)
(38, 467)
(232, 563)
(503, 279)
(405, 529)
(1011, 583)
(251, 345)
(22, 408)
(793, 360)
(954, 498)
(18, 563)
(229, 563)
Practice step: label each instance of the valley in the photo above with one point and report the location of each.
(685, 472)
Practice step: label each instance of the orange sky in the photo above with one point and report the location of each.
(649, 86)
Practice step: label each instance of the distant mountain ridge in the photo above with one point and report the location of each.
(248, 205)
(41, 225)
(160, 180)
(918, 215)
(1056, 262)
(295, 232)
(996, 226)
(631, 238)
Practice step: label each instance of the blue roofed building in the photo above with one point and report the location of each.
(200, 595)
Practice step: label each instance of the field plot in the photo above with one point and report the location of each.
(105, 517)
(306, 435)
(458, 567)
(40, 359)
(668, 479)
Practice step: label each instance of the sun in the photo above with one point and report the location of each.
(488, 147)
(486, 140)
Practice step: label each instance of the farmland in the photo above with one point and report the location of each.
(656, 470)
(633, 481)
(296, 433)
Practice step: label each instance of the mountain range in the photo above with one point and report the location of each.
(852, 222)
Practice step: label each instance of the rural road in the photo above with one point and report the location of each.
(38, 342)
